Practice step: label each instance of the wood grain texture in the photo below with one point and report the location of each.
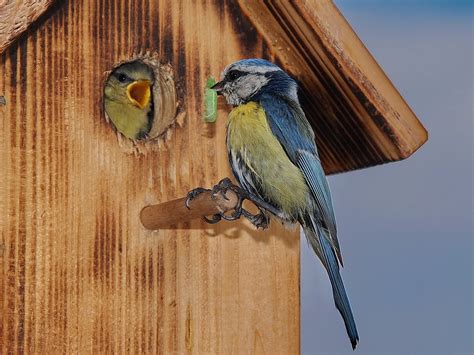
(358, 116)
(79, 274)
(16, 16)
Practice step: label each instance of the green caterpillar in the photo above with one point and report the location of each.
(210, 101)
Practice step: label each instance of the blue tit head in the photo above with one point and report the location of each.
(248, 79)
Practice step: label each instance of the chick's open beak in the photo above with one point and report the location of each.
(139, 93)
(218, 87)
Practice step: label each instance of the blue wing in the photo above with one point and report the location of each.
(289, 124)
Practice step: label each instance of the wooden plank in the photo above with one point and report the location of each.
(16, 16)
(79, 273)
(359, 117)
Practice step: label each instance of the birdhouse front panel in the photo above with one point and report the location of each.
(79, 272)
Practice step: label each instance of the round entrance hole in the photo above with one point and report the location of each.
(140, 98)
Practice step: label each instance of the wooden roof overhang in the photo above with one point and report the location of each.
(359, 117)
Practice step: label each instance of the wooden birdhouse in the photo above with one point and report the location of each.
(79, 272)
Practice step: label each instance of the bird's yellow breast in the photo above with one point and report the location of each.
(250, 136)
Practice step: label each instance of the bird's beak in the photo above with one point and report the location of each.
(218, 87)
(139, 93)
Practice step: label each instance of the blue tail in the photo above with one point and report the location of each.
(323, 248)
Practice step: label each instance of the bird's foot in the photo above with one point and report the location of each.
(259, 220)
(193, 194)
(222, 188)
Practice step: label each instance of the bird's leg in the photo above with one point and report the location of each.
(222, 187)
(259, 220)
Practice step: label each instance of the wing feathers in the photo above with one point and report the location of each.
(288, 123)
(314, 175)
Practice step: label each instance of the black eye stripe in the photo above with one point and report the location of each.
(234, 74)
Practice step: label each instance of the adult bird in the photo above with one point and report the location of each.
(272, 151)
(128, 99)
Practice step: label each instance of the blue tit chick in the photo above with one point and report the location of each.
(272, 150)
(128, 99)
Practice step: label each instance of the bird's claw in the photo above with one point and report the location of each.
(225, 185)
(221, 188)
(216, 218)
(193, 194)
(259, 220)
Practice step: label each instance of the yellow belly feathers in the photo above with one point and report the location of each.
(249, 134)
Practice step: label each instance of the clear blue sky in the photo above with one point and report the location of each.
(406, 228)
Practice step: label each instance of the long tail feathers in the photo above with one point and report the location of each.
(323, 248)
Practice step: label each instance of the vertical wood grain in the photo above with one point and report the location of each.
(79, 273)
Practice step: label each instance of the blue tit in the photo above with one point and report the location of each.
(128, 99)
(272, 150)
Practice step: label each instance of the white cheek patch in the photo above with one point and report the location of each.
(233, 99)
(231, 95)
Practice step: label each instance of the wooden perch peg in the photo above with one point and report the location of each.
(223, 197)
(172, 212)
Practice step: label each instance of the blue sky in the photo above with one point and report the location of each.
(406, 228)
(456, 7)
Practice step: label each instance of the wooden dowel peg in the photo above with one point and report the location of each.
(173, 212)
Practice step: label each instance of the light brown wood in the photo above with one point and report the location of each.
(170, 213)
(358, 116)
(16, 16)
(79, 273)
